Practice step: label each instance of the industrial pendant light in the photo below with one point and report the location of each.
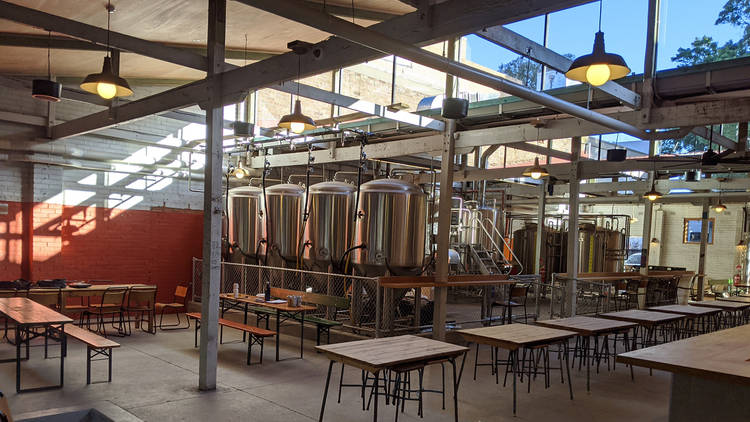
(106, 84)
(719, 207)
(297, 122)
(47, 89)
(536, 171)
(653, 194)
(598, 67)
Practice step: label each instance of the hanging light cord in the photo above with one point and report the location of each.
(352, 11)
(109, 12)
(299, 72)
(600, 15)
(245, 49)
(49, 54)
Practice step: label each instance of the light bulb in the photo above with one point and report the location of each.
(106, 90)
(652, 197)
(298, 127)
(597, 74)
(536, 175)
(720, 208)
(239, 173)
(633, 220)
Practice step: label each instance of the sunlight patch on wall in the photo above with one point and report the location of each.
(123, 202)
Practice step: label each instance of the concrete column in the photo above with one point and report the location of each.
(540, 230)
(444, 228)
(573, 249)
(704, 244)
(212, 202)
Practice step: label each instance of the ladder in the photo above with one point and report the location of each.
(484, 260)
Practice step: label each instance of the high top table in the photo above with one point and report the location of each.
(588, 327)
(734, 311)
(516, 337)
(711, 375)
(28, 314)
(695, 316)
(376, 355)
(649, 320)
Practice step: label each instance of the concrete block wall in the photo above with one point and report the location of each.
(93, 224)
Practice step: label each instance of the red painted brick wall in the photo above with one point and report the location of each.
(90, 243)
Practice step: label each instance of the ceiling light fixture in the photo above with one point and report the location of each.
(297, 122)
(536, 171)
(719, 207)
(598, 67)
(47, 89)
(106, 84)
(653, 194)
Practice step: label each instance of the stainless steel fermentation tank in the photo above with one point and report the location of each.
(391, 226)
(284, 207)
(329, 228)
(245, 222)
(600, 249)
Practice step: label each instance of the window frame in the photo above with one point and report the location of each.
(709, 233)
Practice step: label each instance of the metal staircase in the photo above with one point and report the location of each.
(483, 259)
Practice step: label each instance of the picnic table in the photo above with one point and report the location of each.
(711, 374)
(27, 315)
(283, 312)
(514, 337)
(588, 327)
(376, 355)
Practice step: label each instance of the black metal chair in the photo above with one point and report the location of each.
(517, 299)
(141, 301)
(110, 305)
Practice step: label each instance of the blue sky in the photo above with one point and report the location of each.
(624, 25)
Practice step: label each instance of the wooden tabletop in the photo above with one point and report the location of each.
(687, 310)
(96, 289)
(734, 299)
(253, 300)
(723, 304)
(388, 352)
(25, 311)
(721, 355)
(587, 326)
(514, 336)
(642, 317)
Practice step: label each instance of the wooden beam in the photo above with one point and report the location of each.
(453, 17)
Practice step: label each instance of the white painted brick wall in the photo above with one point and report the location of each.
(63, 184)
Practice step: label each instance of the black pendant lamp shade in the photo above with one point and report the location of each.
(297, 122)
(597, 61)
(106, 84)
(616, 155)
(47, 90)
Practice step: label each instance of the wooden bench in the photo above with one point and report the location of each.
(256, 334)
(322, 325)
(94, 343)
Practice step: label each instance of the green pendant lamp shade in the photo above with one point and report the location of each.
(598, 67)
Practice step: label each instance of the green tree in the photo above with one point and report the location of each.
(705, 50)
(522, 69)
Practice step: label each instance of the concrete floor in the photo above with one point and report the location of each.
(155, 379)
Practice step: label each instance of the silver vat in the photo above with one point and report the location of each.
(330, 220)
(245, 219)
(391, 226)
(284, 207)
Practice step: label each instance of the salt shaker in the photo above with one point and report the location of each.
(236, 290)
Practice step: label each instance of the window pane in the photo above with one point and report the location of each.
(703, 32)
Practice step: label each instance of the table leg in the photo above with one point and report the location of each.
(375, 389)
(567, 368)
(63, 347)
(278, 332)
(325, 392)
(302, 335)
(456, 381)
(244, 321)
(18, 357)
(587, 363)
(513, 357)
